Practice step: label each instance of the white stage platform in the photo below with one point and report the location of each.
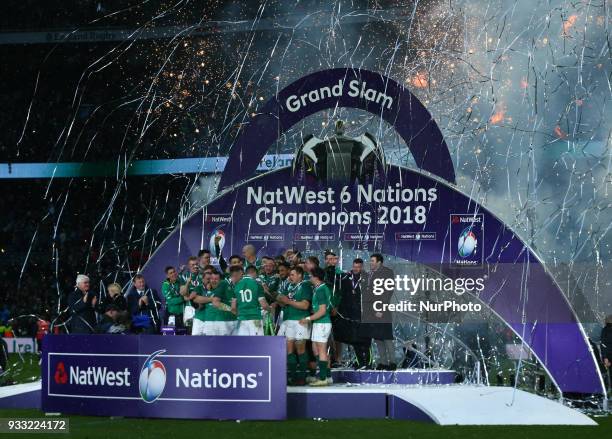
(446, 405)
(443, 405)
(18, 389)
(481, 405)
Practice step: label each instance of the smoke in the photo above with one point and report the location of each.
(520, 90)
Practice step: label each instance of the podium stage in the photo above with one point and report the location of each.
(454, 404)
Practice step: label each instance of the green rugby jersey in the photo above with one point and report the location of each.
(175, 304)
(271, 280)
(247, 293)
(297, 293)
(283, 284)
(322, 296)
(211, 312)
(200, 308)
(256, 264)
(196, 280)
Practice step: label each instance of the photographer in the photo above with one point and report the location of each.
(81, 306)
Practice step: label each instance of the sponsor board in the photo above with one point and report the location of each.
(364, 236)
(265, 237)
(157, 376)
(466, 235)
(314, 237)
(415, 236)
(22, 345)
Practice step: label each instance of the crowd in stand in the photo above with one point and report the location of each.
(86, 14)
(317, 308)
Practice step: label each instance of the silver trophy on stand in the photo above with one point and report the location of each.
(340, 159)
(337, 161)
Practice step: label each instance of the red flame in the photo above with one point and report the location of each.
(560, 133)
(498, 116)
(569, 23)
(419, 80)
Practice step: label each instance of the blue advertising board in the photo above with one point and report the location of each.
(165, 376)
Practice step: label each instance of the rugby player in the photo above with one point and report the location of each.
(199, 297)
(219, 319)
(321, 324)
(295, 300)
(250, 256)
(191, 278)
(175, 301)
(247, 303)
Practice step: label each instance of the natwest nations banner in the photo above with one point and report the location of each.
(165, 377)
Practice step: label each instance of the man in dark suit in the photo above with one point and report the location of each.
(82, 304)
(143, 307)
(348, 322)
(379, 324)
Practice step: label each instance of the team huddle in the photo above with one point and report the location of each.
(318, 310)
(269, 296)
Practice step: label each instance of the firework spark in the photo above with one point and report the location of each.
(569, 23)
(419, 80)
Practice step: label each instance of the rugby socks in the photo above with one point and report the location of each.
(323, 370)
(291, 366)
(302, 366)
(312, 370)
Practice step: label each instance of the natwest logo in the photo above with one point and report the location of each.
(60, 376)
(96, 376)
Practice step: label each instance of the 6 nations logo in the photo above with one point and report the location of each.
(466, 239)
(152, 379)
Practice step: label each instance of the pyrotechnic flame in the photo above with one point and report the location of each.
(419, 80)
(560, 133)
(498, 116)
(569, 23)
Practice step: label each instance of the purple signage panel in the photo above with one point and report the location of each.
(165, 377)
(401, 109)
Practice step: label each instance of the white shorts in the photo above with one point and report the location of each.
(219, 327)
(320, 332)
(250, 327)
(293, 330)
(201, 327)
(197, 327)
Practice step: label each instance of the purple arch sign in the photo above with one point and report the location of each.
(352, 88)
(409, 215)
